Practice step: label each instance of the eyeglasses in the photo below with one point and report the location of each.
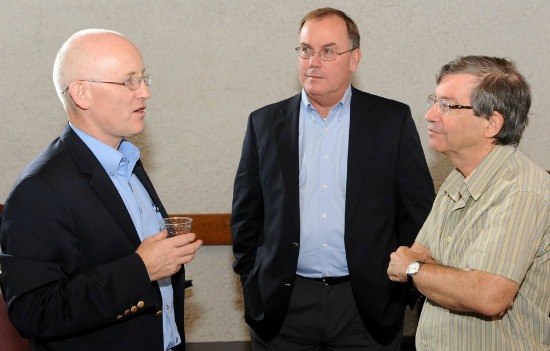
(133, 83)
(324, 54)
(443, 105)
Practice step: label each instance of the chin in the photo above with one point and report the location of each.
(313, 90)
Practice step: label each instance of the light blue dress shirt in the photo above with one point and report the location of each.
(323, 147)
(119, 165)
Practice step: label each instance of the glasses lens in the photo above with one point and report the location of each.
(328, 55)
(304, 53)
(431, 101)
(443, 106)
(147, 80)
(135, 82)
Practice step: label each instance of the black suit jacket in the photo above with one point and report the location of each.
(71, 276)
(389, 193)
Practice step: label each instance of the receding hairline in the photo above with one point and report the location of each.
(73, 55)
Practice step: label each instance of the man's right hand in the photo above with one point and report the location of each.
(164, 256)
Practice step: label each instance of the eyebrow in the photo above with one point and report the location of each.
(322, 46)
(134, 73)
(448, 98)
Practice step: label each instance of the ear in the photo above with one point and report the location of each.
(79, 95)
(496, 121)
(355, 59)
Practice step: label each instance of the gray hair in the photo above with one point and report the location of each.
(501, 88)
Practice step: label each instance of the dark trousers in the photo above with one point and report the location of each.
(322, 317)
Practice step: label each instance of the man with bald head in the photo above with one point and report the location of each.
(85, 265)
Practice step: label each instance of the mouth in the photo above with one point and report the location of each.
(141, 109)
(313, 74)
(433, 132)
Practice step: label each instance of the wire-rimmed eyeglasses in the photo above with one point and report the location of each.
(325, 54)
(133, 83)
(443, 106)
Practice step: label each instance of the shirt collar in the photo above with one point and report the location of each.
(477, 183)
(119, 162)
(343, 103)
(484, 173)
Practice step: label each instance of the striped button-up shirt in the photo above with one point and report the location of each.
(497, 220)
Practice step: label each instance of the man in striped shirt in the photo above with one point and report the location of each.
(482, 258)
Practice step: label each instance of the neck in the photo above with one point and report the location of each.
(323, 105)
(466, 163)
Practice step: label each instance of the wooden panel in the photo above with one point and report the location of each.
(212, 228)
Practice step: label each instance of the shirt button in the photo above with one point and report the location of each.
(324, 186)
(449, 238)
(112, 174)
(324, 215)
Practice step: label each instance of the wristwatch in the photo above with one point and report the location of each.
(413, 269)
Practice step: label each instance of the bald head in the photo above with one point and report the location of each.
(88, 54)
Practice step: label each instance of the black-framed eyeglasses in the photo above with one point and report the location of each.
(133, 83)
(443, 106)
(325, 54)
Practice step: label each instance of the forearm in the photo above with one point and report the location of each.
(461, 290)
(465, 290)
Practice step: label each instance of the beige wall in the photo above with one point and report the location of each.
(213, 62)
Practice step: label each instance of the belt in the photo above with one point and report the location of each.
(329, 280)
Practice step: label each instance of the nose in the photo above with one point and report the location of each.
(315, 60)
(143, 91)
(432, 113)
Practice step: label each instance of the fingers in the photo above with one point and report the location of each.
(156, 237)
(184, 239)
(164, 256)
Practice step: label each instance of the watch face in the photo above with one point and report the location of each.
(413, 268)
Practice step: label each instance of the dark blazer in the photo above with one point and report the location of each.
(71, 276)
(389, 194)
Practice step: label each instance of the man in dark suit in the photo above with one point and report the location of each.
(330, 182)
(84, 263)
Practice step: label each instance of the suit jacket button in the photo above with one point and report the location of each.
(288, 285)
(127, 312)
(140, 304)
(158, 314)
(295, 244)
(134, 309)
(119, 316)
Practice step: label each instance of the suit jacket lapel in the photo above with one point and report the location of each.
(285, 129)
(361, 137)
(139, 171)
(100, 182)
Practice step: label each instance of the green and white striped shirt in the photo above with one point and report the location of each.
(497, 220)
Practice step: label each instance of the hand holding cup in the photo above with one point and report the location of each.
(176, 225)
